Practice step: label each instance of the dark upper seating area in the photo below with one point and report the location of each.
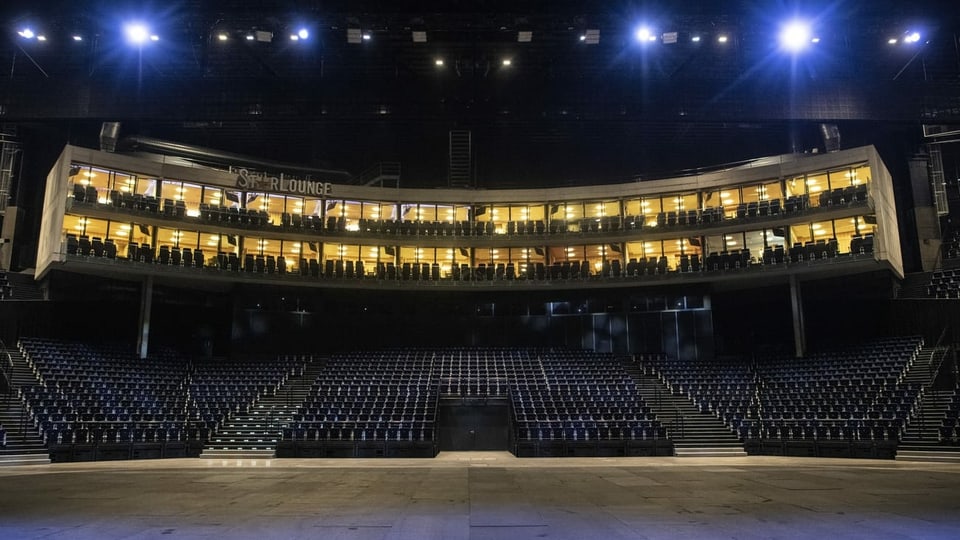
(850, 394)
(944, 284)
(6, 289)
(951, 244)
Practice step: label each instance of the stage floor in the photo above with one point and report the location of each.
(483, 495)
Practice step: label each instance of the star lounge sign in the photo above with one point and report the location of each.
(258, 181)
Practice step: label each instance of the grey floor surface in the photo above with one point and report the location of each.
(482, 496)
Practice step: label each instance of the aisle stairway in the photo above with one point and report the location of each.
(921, 439)
(254, 435)
(23, 286)
(24, 445)
(694, 434)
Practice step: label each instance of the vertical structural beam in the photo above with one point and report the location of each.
(146, 304)
(796, 305)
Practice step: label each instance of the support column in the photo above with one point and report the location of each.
(146, 304)
(799, 330)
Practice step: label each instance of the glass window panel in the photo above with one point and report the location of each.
(211, 242)
(349, 210)
(75, 225)
(816, 183)
(167, 236)
(142, 234)
(120, 234)
(212, 195)
(755, 242)
(311, 207)
(632, 207)
(672, 249)
(191, 196)
(170, 189)
(572, 211)
(775, 236)
(730, 198)
(446, 213)
(190, 239)
(846, 229)
(860, 175)
(96, 228)
(750, 193)
(123, 182)
(795, 186)
(733, 241)
(822, 230)
(800, 234)
(771, 191)
(651, 207)
(714, 244)
(252, 245)
(427, 212)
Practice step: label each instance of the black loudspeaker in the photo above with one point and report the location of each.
(831, 137)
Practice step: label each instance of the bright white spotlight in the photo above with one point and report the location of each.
(795, 36)
(722, 39)
(367, 36)
(136, 33)
(222, 37)
(26, 33)
(507, 62)
(41, 37)
(912, 37)
(695, 39)
(438, 62)
(154, 37)
(303, 33)
(77, 37)
(644, 34)
(892, 41)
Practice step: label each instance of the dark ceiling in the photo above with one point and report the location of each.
(562, 112)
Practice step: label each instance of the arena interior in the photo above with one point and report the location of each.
(480, 269)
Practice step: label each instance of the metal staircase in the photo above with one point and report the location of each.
(24, 444)
(254, 435)
(694, 434)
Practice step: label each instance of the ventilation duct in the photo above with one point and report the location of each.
(213, 157)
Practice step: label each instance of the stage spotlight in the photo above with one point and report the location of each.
(136, 33)
(222, 37)
(695, 39)
(26, 33)
(795, 36)
(912, 37)
(303, 33)
(41, 37)
(77, 37)
(507, 62)
(722, 39)
(644, 34)
(438, 62)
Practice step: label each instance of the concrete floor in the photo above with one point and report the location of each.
(482, 496)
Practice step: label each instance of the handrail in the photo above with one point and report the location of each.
(7, 367)
(936, 365)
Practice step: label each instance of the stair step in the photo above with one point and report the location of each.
(24, 459)
(920, 455)
(721, 451)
